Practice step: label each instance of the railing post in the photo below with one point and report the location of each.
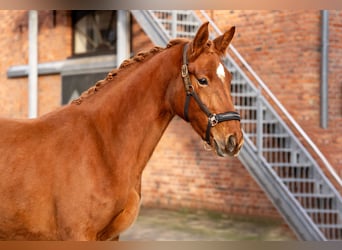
(123, 35)
(259, 126)
(33, 64)
(324, 68)
(174, 24)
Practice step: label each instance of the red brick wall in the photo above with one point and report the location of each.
(140, 40)
(54, 44)
(283, 47)
(13, 44)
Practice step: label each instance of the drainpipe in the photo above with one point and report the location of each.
(33, 64)
(324, 67)
(123, 36)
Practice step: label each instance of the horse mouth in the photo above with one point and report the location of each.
(230, 148)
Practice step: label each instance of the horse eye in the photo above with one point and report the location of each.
(202, 81)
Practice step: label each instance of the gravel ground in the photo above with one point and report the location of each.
(168, 225)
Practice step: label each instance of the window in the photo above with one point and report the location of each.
(94, 32)
(74, 85)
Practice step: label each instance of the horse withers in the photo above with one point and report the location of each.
(75, 173)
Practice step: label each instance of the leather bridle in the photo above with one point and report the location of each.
(213, 119)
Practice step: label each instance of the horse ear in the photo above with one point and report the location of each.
(200, 39)
(221, 43)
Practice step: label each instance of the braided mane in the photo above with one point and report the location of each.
(140, 57)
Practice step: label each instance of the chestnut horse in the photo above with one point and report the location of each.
(75, 173)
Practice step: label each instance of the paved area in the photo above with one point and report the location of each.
(160, 225)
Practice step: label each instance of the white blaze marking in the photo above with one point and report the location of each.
(220, 72)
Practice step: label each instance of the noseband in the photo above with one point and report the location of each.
(213, 119)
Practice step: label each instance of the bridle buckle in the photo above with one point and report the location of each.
(213, 120)
(185, 71)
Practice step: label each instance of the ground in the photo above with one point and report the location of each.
(160, 224)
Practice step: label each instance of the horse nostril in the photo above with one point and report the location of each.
(231, 143)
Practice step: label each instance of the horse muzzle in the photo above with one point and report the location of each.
(231, 145)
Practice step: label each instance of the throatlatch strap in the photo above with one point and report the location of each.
(185, 72)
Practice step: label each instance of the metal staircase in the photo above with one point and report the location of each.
(272, 153)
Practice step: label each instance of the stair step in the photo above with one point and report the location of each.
(291, 165)
(322, 211)
(315, 200)
(298, 180)
(294, 174)
(180, 12)
(250, 94)
(324, 216)
(332, 226)
(332, 232)
(300, 185)
(235, 82)
(253, 108)
(280, 150)
(274, 121)
(183, 23)
(280, 135)
(314, 195)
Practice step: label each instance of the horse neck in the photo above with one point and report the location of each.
(134, 110)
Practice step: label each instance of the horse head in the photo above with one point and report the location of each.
(206, 98)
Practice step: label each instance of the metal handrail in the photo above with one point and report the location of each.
(278, 104)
